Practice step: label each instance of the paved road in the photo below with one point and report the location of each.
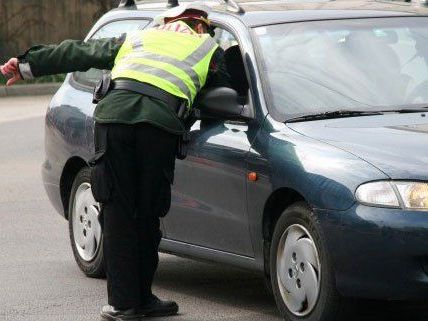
(39, 280)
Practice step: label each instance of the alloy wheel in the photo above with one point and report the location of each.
(86, 228)
(298, 270)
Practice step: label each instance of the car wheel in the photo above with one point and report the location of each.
(84, 227)
(301, 272)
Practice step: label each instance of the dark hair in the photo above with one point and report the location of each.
(192, 23)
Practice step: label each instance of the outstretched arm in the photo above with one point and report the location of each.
(68, 56)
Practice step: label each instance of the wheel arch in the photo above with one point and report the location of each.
(71, 168)
(277, 202)
(275, 205)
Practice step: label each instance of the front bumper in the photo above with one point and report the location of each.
(378, 253)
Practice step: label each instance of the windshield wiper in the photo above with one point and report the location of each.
(334, 114)
(406, 110)
(354, 113)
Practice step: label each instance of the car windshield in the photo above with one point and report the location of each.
(354, 64)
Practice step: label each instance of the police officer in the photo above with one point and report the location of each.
(156, 74)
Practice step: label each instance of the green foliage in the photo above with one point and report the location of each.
(39, 80)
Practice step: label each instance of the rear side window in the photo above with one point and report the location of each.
(113, 29)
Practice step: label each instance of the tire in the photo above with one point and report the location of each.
(300, 262)
(84, 229)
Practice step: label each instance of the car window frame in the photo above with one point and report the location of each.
(229, 28)
(89, 88)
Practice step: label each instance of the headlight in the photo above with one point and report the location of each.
(411, 195)
(414, 195)
(377, 193)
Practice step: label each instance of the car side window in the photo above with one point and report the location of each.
(114, 29)
(224, 38)
(234, 62)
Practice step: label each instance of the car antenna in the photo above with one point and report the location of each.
(233, 6)
(126, 3)
(172, 3)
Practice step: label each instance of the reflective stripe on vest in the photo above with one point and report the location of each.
(168, 58)
(159, 72)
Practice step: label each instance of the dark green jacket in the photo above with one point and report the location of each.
(118, 106)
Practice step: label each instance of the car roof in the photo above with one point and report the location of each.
(277, 11)
(264, 12)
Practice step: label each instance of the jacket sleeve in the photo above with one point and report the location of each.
(69, 56)
(217, 74)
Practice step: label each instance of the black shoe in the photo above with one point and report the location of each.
(110, 313)
(155, 307)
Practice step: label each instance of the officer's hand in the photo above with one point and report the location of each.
(11, 71)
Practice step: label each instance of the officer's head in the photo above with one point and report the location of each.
(193, 14)
(195, 19)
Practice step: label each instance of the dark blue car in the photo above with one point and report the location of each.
(312, 171)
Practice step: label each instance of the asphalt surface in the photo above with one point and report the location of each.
(39, 280)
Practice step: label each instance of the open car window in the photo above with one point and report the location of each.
(224, 38)
(234, 62)
(111, 30)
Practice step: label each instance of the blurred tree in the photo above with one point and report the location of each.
(103, 6)
(14, 17)
(28, 22)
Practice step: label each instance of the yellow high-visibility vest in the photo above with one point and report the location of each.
(172, 57)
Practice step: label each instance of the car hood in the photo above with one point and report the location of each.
(397, 144)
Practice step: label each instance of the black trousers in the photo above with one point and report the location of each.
(137, 167)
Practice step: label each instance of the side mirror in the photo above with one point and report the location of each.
(221, 102)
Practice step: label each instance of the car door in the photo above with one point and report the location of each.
(209, 193)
